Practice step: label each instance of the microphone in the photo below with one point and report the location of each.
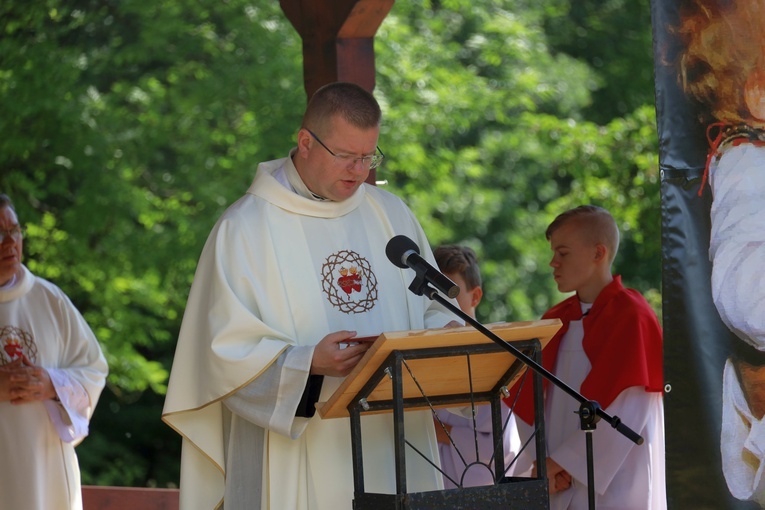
(404, 252)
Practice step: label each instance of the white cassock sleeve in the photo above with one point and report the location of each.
(71, 415)
(737, 242)
(610, 448)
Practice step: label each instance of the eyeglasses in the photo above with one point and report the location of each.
(15, 232)
(349, 159)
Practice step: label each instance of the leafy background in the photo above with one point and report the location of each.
(128, 126)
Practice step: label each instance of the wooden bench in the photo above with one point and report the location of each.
(129, 498)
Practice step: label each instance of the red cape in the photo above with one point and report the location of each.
(622, 340)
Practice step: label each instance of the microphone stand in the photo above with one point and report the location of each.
(589, 410)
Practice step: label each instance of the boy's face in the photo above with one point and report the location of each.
(467, 299)
(574, 260)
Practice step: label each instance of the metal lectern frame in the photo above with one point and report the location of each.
(509, 493)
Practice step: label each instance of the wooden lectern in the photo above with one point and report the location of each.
(435, 368)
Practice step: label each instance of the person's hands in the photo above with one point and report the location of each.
(454, 324)
(22, 382)
(559, 478)
(332, 358)
(562, 482)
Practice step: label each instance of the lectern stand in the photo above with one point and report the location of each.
(451, 367)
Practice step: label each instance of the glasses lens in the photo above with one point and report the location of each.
(375, 161)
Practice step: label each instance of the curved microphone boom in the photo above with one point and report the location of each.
(404, 252)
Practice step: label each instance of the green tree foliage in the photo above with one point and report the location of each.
(492, 136)
(129, 126)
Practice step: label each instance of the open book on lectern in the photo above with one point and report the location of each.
(436, 375)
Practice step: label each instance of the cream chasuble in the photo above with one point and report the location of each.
(277, 274)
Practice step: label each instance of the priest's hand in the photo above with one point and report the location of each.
(28, 382)
(6, 371)
(337, 353)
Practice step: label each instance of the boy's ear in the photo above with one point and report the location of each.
(477, 295)
(601, 253)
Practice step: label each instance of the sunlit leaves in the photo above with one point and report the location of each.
(489, 138)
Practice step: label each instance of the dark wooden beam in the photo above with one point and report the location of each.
(338, 41)
(129, 498)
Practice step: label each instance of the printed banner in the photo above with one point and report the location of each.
(710, 105)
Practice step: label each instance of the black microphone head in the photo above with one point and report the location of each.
(453, 290)
(397, 247)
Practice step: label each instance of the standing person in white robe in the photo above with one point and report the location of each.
(460, 436)
(52, 372)
(609, 349)
(291, 274)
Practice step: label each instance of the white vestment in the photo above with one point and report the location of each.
(277, 274)
(39, 468)
(627, 476)
(471, 436)
(737, 252)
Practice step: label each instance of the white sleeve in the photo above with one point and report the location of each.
(71, 414)
(737, 242)
(271, 399)
(610, 448)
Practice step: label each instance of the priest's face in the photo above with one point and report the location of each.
(11, 245)
(334, 163)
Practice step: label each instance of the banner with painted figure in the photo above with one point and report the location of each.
(710, 105)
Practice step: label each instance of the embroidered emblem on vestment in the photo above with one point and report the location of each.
(14, 342)
(348, 282)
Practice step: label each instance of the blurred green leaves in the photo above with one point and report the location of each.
(492, 135)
